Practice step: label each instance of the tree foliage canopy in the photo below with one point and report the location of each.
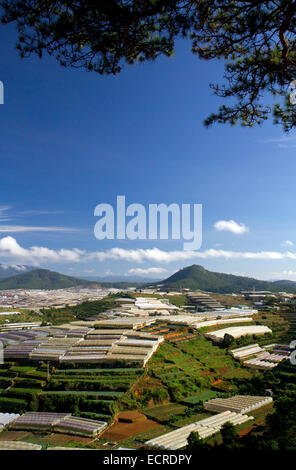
(255, 39)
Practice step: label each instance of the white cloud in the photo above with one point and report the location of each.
(284, 275)
(25, 228)
(3, 209)
(231, 226)
(284, 142)
(287, 243)
(42, 212)
(28, 228)
(157, 255)
(9, 248)
(17, 267)
(289, 273)
(3, 216)
(146, 271)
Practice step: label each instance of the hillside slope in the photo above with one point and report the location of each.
(41, 279)
(196, 277)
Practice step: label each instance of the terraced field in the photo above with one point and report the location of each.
(85, 392)
(163, 413)
(198, 360)
(291, 319)
(186, 370)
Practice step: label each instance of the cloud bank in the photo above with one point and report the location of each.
(144, 272)
(10, 249)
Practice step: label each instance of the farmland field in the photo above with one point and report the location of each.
(122, 430)
(186, 369)
(163, 413)
(87, 392)
(290, 317)
(207, 395)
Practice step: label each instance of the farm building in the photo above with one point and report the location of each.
(263, 359)
(259, 364)
(58, 422)
(19, 326)
(238, 331)
(18, 445)
(6, 418)
(9, 313)
(203, 301)
(239, 403)
(78, 343)
(207, 427)
(250, 350)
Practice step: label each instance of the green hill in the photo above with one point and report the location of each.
(41, 279)
(196, 277)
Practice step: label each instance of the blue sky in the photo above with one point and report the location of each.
(72, 139)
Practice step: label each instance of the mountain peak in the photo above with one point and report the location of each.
(41, 279)
(196, 277)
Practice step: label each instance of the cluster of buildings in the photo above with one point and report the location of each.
(77, 343)
(144, 306)
(54, 422)
(230, 410)
(115, 335)
(260, 298)
(118, 335)
(238, 332)
(262, 358)
(36, 299)
(203, 302)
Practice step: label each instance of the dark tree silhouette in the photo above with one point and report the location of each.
(255, 39)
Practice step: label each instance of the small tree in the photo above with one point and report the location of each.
(194, 442)
(230, 436)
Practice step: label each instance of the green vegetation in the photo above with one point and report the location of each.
(201, 397)
(82, 311)
(41, 279)
(78, 391)
(9, 271)
(163, 413)
(171, 390)
(190, 368)
(196, 277)
(290, 318)
(275, 429)
(23, 317)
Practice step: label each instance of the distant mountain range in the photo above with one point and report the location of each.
(115, 278)
(192, 277)
(196, 277)
(42, 279)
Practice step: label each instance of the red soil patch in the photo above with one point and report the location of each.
(249, 429)
(246, 431)
(216, 382)
(130, 417)
(120, 431)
